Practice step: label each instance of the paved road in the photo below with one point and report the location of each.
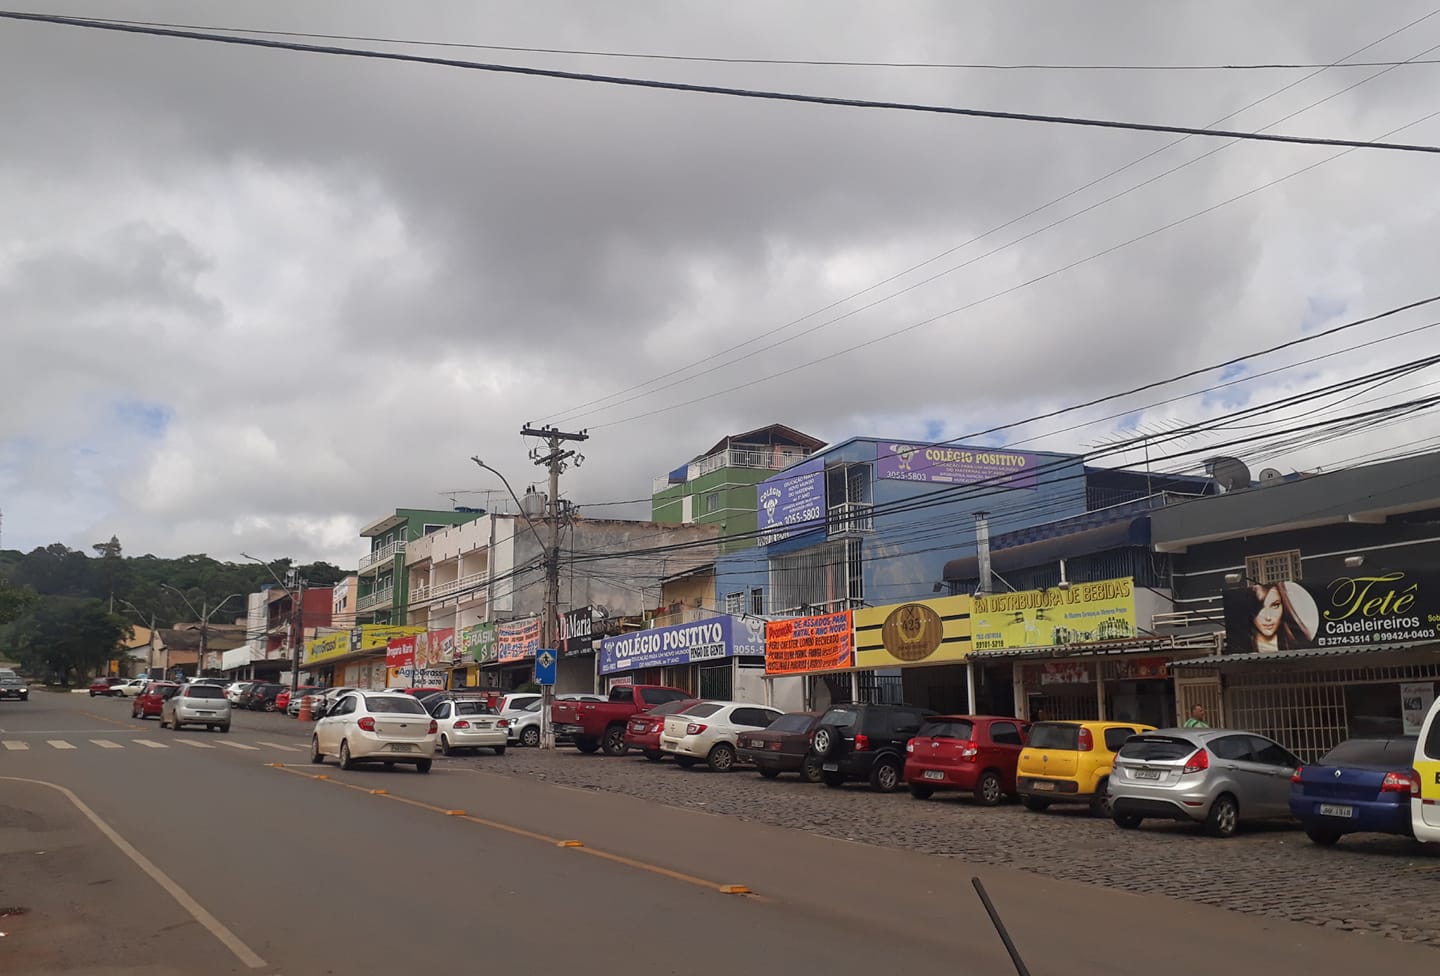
(196, 852)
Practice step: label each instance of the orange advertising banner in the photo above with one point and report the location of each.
(804, 645)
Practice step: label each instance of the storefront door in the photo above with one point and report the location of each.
(717, 681)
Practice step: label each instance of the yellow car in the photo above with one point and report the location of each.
(1070, 762)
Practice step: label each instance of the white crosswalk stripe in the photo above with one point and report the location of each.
(197, 745)
(276, 745)
(240, 745)
(15, 746)
(107, 744)
(59, 744)
(152, 745)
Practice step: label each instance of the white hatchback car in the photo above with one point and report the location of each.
(375, 727)
(469, 724)
(708, 732)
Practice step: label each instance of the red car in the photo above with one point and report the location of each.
(642, 732)
(282, 700)
(149, 701)
(105, 686)
(974, 753)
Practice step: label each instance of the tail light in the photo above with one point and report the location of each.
(862, 743)
(503, 723)
(433, 727)
(1197, 763)
(1415, 783)
(910, 746)
(367, 724)
(968, 750)
(462, 724)
(1399, 783)
(695, 728)
(1295, 777)
(775, 747)
(1087, 741)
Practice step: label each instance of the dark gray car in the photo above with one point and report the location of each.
(1216, 777)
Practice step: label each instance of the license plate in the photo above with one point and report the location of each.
(830, 767)
(1334, 810)
(204, 713)
(757, 743)
(637, 727)
(402, 748)
(1044, 786)
(1147, 774)
(934, 774)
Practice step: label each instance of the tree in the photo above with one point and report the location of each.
(14, 601)
(64, 637)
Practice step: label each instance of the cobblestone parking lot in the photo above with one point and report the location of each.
(1368, 883)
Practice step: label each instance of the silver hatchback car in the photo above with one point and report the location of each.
(196, 704)
(1216, 777)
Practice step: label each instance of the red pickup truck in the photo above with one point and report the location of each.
(593, 725)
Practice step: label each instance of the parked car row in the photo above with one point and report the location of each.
(1217, 779)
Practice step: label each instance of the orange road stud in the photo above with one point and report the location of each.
(379, 792)
(276, 765)
(454, 813)
(734, 890)
(569, 843)
(322, 776)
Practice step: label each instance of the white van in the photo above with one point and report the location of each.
(1425, 791)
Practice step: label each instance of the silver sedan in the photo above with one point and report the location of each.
(194, 704)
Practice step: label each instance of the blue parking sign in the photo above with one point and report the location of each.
(545, 663)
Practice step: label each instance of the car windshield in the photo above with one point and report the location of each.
(670, 707)
(204, 691)
(797, 722)
(703, 709)
(1054, 735)
(1372, 753)
(845, 718)
(472, 708)
(1161, 748)
(394, 704)
(947, 730)
(533, 706)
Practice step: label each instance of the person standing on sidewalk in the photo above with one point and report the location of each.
(1197, 718)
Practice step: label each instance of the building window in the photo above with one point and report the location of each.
(735, 604)
(431, 528)
(712, 502)
(848, 498)
(821, 579)
(757, 601)
(1274, 567)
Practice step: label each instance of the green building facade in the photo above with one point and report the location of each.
(382, 592)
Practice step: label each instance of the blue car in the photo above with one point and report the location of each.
(1360, 786)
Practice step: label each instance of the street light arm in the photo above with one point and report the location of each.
(277, 579)
(520, 509)
(174, 589)
(222, 603)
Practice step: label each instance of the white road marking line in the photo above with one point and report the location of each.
(240, 745)
(152, 745)
(106, 744)
(229, 939)
(276, 745)
(14, 746)
(59, 743)
(197, 745)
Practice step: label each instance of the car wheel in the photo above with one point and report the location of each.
(920, 792)
(1224, 817)
(1321, 836)
(1127, 821)
(587, 746)
(810, 769)
(499, 750)
(224, 728)
(423, 766)
(686, 762)
(1035, 803)
(989, 792)
(530, 737)
(768, 773)
(316, 756)
(721, 758)
(885, 776)
(270, 705)
(614, 742)
(654, 755)
(345, 761)
(827, 739)
(1100, 802)
(833, 780)
(444, 745)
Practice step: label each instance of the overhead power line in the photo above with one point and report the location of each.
(717, 59)
(747, 93)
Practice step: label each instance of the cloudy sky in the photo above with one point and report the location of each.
(253, 299)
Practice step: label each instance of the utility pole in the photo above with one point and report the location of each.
(554, 458)
(297, 634)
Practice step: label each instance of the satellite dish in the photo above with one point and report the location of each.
(1229, 473)
(1269, 475)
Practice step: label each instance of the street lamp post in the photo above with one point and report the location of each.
(149, 658)
(296, 617)
(203, 614)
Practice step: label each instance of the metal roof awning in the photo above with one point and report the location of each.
(1309, 654)
(1040, 548)
(1117, 648)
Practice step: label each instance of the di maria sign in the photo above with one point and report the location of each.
(1361, 609)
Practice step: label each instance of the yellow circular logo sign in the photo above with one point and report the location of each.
(912, 632)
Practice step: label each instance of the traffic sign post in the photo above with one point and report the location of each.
(546, 662)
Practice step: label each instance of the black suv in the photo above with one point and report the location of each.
(866, 742)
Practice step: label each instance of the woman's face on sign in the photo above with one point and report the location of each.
(1267, 620)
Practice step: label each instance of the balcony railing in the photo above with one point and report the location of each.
(740, 456)
(378, 600)
(419, 594)
(380, 555)
(850, 517)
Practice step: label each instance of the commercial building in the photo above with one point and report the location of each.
(381, 591)
(718, 486)
(1323, 594)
